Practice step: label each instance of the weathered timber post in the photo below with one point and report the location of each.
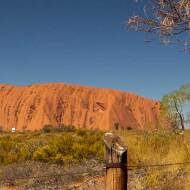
(116, 163)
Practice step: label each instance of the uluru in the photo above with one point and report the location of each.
(32, 107)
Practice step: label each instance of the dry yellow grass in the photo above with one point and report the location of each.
(144, 148)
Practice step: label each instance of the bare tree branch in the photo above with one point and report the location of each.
(166, 18)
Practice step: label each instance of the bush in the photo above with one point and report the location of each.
(1, 129)
(116, 126)
(144, 148)
(66, 128)
(45, 153)
(58, 129)
(71, 145)
(48, 129)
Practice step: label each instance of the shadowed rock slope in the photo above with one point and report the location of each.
(31, 107)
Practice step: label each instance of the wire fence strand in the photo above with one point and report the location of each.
(85, 177)
(157, 165)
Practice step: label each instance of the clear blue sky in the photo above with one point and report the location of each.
(85, 42)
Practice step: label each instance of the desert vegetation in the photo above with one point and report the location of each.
(51, 144)
(173, 108)
(67, 155)
(29, 152)
(155, 148)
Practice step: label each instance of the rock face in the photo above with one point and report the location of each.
(31, 107)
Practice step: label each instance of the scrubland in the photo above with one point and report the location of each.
(34, 154)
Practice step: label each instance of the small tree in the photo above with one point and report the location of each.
(172, 106)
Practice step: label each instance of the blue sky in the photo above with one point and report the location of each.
(84, 42)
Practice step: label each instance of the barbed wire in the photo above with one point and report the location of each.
(140, 166)
(156, 165)
(88, 175)
(129, 167)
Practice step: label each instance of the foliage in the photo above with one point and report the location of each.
(144, 148)
(60, 128)
(84, 144)
(158, 147)
(173, 104)
(55, 147)
(168, 19)
(1, 129)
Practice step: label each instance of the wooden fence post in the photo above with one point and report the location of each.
(116, 163)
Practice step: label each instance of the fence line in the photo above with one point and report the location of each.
(90, 176)
(117, 167)
(136, 167)
(115, 170)
(157, 165)
(129, 167)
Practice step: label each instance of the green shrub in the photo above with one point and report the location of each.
(144, 147)
(48, 129)
(67, 128)
(46, 153)
(58, 129)
(116, 126)
(67, 145)
(1, 129)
